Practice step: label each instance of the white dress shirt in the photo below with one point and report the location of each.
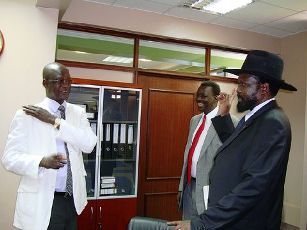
(202, 138)
(256, 108)
(60, 185)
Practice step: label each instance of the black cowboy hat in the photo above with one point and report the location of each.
(266, 66)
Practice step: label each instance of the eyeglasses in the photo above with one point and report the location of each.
(62, 81)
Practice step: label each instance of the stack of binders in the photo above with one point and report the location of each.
(107, 185)
(117, 142)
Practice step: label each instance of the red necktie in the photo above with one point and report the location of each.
(193, 146)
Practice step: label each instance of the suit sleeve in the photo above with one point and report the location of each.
(268, 162)
(224, 126)
(16, 157)
(81, 137)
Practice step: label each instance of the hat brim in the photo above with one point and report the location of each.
(280, 83)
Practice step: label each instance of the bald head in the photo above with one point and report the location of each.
(52, 70)
(57, 81)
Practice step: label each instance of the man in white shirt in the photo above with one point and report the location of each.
(200, 150)
(44, 146)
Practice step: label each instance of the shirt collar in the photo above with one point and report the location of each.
(212, 114)
(53, 105)
(256, 108)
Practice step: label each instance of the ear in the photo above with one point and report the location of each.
(265, 88)
(44, 83)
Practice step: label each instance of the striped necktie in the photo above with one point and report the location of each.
(69, 174)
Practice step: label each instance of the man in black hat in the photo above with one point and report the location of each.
(247, 179)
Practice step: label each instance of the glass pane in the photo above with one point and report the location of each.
(171, 57)
(94, 48)
(119, 142)
(221, 60)
(88, 98)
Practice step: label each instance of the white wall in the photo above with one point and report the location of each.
(101, 74)
(30, 36)
(294, 53)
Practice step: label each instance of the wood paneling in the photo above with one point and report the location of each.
(167, 107)
(167, 130)
(161, 205)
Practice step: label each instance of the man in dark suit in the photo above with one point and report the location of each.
(247, 178)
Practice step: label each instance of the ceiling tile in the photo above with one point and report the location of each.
(109, 2)
(191, 14)
(233, 23)
(260, 13)
(295, 23)
(169, 2)
(298, 5)
(143, 5)
(270, 31)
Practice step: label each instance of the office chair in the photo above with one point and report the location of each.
(147, 223)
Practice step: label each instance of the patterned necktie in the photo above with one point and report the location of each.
(69, 175)
(193, 146)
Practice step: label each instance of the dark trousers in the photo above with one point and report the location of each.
(63, 213)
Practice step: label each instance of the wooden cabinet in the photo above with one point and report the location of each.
(108, 214)
(112, 168)
(87, 220)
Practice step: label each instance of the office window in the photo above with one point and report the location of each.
(94, 48)
(171, 57)
(221, 60)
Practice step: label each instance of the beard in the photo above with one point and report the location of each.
(246, 104)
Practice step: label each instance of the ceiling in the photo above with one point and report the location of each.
(278, 18)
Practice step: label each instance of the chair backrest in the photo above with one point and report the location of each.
(146, 223)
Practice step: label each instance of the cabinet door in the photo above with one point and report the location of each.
(120, 118)
(115, 214)
(87, 219)
(87, 97)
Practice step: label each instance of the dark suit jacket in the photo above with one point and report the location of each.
(247, 179)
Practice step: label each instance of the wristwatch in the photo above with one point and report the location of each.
(57, 123)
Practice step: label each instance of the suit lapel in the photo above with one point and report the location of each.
(236, 132)
(209, 137)
(68, 114)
